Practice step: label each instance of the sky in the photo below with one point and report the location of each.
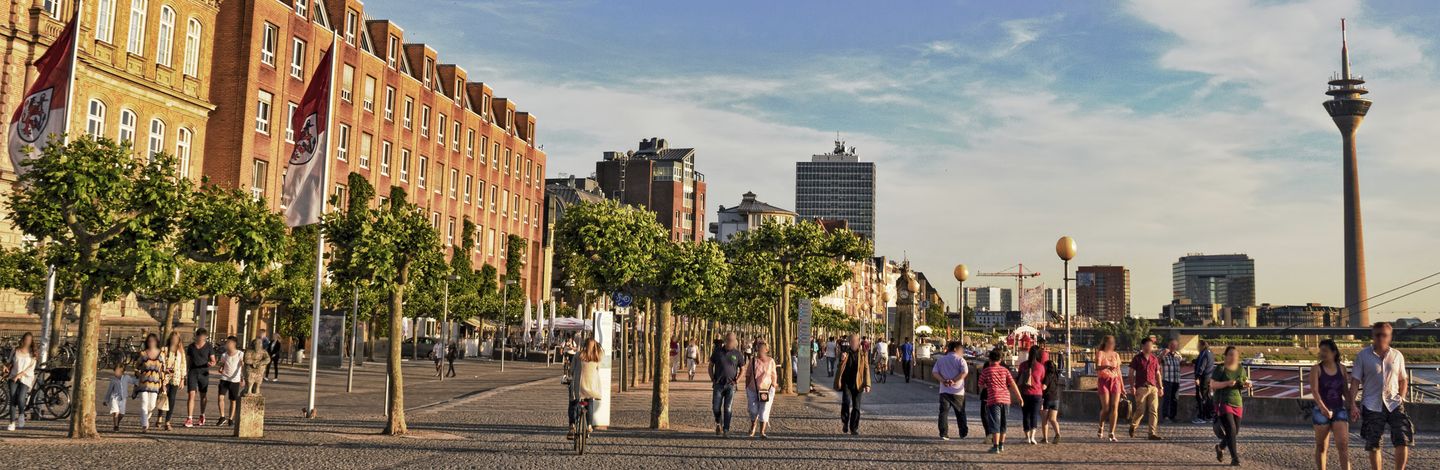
(1145, 129)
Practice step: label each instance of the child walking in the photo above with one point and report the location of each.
(116, 396)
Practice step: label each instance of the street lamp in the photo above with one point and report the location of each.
(961, 274)
(1065, 249)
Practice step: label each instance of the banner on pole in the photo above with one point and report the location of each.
(45, 108)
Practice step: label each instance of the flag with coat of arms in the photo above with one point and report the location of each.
(45, 108)
(304, 191)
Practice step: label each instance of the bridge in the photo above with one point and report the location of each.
(1213, 331)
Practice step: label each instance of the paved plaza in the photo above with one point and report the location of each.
(515, 419)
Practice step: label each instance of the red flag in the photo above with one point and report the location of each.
(44, 110)
(304, 192)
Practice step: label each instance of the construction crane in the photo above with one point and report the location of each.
(1019, 274)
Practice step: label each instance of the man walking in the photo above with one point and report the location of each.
(1380, 377)
(830, 349)
(199, 358)
(1204, 367)
(907, 357)
(950, 371)
(725, 368)
(1146, 377)
(852, 381)
(1170, 369)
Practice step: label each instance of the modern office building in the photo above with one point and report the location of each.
(1102, 292)
(991, 299)
(661, 179)
(748, 214)
(837, 186)
(1226, 280)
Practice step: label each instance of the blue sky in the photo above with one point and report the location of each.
(1146, 129)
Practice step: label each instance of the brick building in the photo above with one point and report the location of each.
(661, 179)
(402, 119)
(1102, 292)
(143, 77)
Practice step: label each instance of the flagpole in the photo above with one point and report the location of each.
(320, 234)
(49, 312)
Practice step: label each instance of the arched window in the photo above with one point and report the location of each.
(127, 127)
(166, 42)
(192, 48)
(157, 137)
(95, 119)
(136, 42)
(182, 152)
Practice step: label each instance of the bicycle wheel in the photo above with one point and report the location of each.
(4, 400)
(582, 426)
(53, 401)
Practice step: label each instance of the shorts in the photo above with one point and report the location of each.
(198, 380)
(1109, 386)
(1052, 405)
(1319, 419)
(230, 390)
(995, 418)
(116, 404)
(1374, 423)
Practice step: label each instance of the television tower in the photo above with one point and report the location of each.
(1348, 109)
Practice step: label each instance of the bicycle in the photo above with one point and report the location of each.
(582, 425)
(50, 400)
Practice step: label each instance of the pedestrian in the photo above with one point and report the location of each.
(21, 379)
(882, 358)
(830, 349)
(1032, 392)
(1051, 395)
(1333, 401)
(231, 367)
(452, 351)
(949, 371)
(586, 385)
(1228, 381)
(907, 358)
(437, 354)
(674, 358)
(1204, 368)
(117, 394)
(199, 358)
(1170, 360)
(175, 370)
(999, 386)
(852, 381)
(1108, 384)
(692, 358)
(726, 364)
(150, 371)
(760, 388)
(273, 349)
(1145, 377)
(1379, 377)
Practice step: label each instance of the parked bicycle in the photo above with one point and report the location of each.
(49, 400)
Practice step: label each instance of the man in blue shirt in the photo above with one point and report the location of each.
(726, 365)
(950, 371)
(907, 357)
(1204, 402)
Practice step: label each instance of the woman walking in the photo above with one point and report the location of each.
(173, 355)
(760, 388)
(21, 380)
(1052, 399)
(150, 372)
(1228, 381)
(586, 385)
(1109, 385)
(1032, 389)
(1333, 400)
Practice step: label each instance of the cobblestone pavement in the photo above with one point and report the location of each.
(516, 419)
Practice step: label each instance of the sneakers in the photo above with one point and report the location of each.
(1132, 429)
(718, 430)
(11, 427)
(1000, 449)
(944, 438)
(202, 423)
(189, 422)
(1156, 437)
(994, 449)
(1199, 421)
(20, 422)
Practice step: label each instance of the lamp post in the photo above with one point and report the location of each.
(1065, 249)
(961, 274)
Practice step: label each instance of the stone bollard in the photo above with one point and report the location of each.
(251, 421)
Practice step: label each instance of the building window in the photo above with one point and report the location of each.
(352, 19)
(259, 174)
(480, 195)
(290, 110)
(515, 206)
(429, 65)
(405, 165)
(192, 48)
(440, 130)
(508, 156)
(262, 112)
(136, 43)
(95, 119)
(182, 151)
(493, 190)
(450, 232)
(340, 193)
(52, 8)
(435, 220)
(157, 137)
(455, 136)
(389, 103)
(504, 203)
(128, 120)
(342, 144)
(469, 183)
(490, 243)
(297, 59)
(347, 83)
(409, 116)
(425, 120)
(269, 37)
(422, 169)
(390, 51)
(470, 143)
(385, 158)
(368, 98)
(365, 141)
(105, 21)
(302, 8)
(483, 141)
(454, 183)
(165, 40)
(495, 155)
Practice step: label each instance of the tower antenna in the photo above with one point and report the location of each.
(1344, 51)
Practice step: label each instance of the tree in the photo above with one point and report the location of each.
(1127, 332)
(27, 269)
(682, 271)
(114, 211)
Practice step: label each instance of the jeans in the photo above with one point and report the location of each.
(905, 366)
(19, 395)
(850, 407)
(1204, 401)
(1031, 412)
(995, 418)
(273, 366)
(1170, 403)
(830, 365)
(1227, 427)
(720, 399)
(954, 402)
(172, 392)
(589, 411)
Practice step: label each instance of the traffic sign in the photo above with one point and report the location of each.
(623, 300)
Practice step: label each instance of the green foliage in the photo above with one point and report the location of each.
(607, 246)
(1128, 332)
(802, 255)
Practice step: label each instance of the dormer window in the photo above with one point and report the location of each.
(302, 8)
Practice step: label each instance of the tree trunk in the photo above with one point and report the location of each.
(172, 310)
(396, 424)
(370, 336)
(784, 341)
(82, 398)
(660, 397)
(57, 320)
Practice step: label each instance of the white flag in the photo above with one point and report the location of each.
(304, 192)
(45, 108)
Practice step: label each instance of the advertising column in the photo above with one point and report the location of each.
(604, 333)
(802, 360)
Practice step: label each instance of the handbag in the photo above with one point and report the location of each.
(764, 396)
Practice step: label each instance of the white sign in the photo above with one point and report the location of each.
(605, 335)
(802, 358)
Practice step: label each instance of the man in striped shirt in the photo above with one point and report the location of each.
(1170, 370)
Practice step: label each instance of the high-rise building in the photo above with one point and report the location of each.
(991, 299)
(837, 186)
(1053, 298)
(661, 179)
(1225, 280)
(1102, 292)
(750, 213)
(1348, 109)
